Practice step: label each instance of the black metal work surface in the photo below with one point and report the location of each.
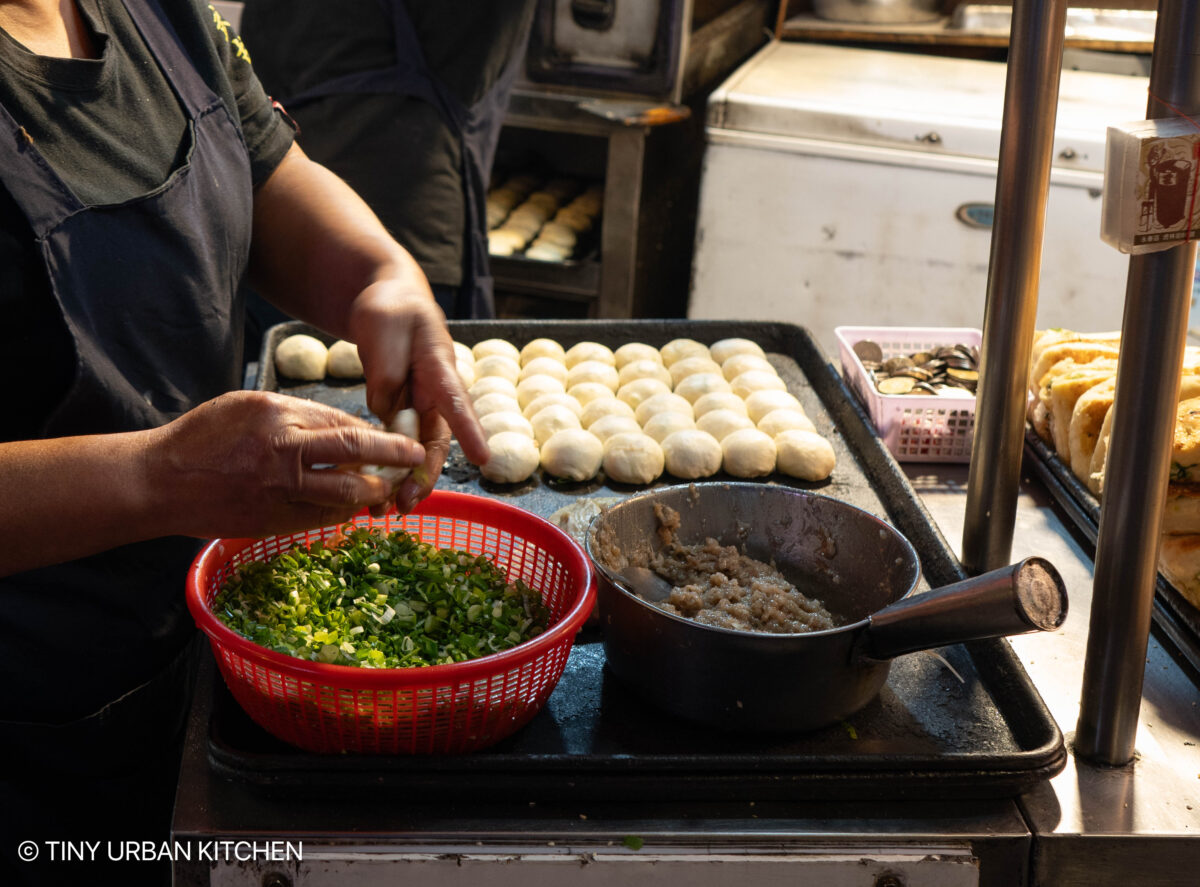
(1177, 621)
(965, 723)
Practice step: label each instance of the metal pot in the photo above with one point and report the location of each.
(865, 571)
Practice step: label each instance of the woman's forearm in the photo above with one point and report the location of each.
(317, 246)
(69, 497)
(246, 463)
(322, 255)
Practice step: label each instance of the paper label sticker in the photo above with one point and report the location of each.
(1167, 180)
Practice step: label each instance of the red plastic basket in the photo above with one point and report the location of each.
(438, 709)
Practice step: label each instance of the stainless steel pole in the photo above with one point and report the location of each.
(1153, 335)
(1023, 181)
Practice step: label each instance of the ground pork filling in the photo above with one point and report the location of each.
(718, 585)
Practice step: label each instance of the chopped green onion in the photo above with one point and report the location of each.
(380, 601)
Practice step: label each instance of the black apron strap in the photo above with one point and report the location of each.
(129, 280)
(177, 65)
(44, 197)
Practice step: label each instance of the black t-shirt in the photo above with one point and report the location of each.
(396, 152)
(112, 130)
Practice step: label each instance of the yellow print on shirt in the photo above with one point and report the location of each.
(222, 25)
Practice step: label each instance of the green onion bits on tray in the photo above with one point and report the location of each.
(380, 601)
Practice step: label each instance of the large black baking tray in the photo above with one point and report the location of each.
(1177, 620)
(970, 724)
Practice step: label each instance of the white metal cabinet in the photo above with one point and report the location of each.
(854, 186)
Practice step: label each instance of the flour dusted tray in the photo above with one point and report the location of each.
(928, 735)
(914, 427)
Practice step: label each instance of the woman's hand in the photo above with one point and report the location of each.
(408, 360)
(244, 464)
(323, 256)
(249, 464)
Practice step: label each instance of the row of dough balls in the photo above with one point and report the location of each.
(687, 408)
(307, 359)
(545, 223)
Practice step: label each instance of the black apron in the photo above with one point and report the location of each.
(477, 127)
(95, 670)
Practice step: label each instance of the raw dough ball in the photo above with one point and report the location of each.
(558, 234)
(519, 227)
(503, 197)
(638, 391)
(545, 366)
(552, 419)
(747, 383)
(660, 425)
(497, 365)
(573, 454)
(406, 422)
(678, 349)
(514, 457)
(691, 454)
(577, 354)
(661, 403)
(532, 387)
(586, 392)
(552, 398)
(489, 347)
(644, 369)
(726, 348)
(698, 384)
(741, 363)
(632, 351)
(748, 453)
(767, 400)
(719, 400)
(804, 454)
(492, 385)
(541, 348)
(495, 214)
(544, 251)
(577, 221)
(466, 372)
(685, 367)
(545, 200)
(590, 201)
(463, 353)
(633, 458)
(343, 361)
(301, 357)
(720, 423)
(494, 423)
(527, 218)
(593, 371)
(784, 420)
(505, 241)
(604, 406)
(606, 426)
(496, 403)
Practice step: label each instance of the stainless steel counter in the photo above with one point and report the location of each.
(1092, 825)
(1139, 825)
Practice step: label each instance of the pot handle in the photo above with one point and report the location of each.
(1020, 598)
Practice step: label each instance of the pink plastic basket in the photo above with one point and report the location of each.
(438, 709)
(915, 428)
